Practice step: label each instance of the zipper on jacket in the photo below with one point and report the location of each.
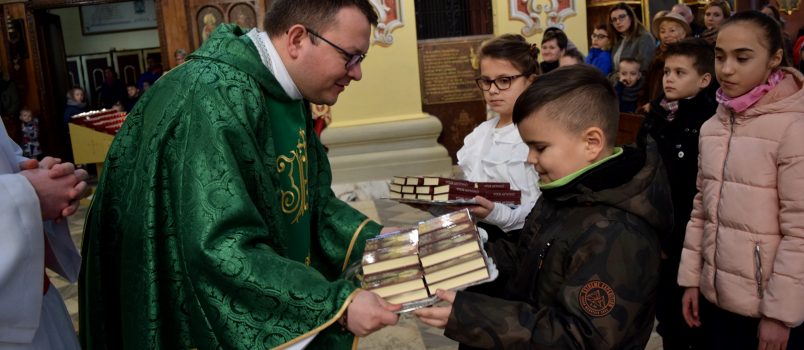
(543, 254)
(720, 199)
(758, 272)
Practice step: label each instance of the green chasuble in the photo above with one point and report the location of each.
(205, 219)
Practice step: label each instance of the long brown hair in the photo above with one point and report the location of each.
(636, 26)
(513, 48)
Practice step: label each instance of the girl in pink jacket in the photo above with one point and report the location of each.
(744, 246)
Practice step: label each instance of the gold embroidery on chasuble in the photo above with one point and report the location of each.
(294, 166)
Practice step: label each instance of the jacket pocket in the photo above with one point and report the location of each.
(758, 270)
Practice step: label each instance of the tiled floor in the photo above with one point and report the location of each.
(409, 333)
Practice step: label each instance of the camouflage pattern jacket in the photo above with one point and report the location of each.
(584, 272)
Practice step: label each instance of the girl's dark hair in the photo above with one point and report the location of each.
(636, 26)
(776, 15)
(558, 35)
(772, 32)
(515, 49)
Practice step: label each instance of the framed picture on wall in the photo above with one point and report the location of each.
(118, 17)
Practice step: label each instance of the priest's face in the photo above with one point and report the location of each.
(326, 69)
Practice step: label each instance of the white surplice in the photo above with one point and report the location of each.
(28, 319)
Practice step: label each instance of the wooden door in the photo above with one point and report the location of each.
(53, 64)
(449, 33)
(128, 64)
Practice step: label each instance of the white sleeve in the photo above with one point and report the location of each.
(509, 219)
(513, 219)
(21, 259)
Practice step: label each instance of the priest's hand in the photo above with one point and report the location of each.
(484, 209)
(437, 316)
(369, 313)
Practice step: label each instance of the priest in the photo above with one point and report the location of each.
(214, 225)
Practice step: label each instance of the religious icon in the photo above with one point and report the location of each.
(208, 19)
(243, 15)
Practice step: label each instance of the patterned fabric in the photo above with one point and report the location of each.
(671, 107)
(30, 139)
(185, 244)
(585, 268)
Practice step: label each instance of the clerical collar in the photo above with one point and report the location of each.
(271, 60)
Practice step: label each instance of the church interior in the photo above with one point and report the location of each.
(407, 116)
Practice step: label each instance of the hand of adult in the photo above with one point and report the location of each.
(368, 313)
(54, 194)
(773, 335)
(484, 209)
(437, 316)
(46, 163)
(689, 307)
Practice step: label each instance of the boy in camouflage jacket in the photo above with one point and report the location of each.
(584, 273)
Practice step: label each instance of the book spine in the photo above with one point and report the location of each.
(493, 186)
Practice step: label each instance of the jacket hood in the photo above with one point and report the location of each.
(635, 182)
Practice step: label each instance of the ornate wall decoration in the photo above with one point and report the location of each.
(322, 116)
(391, 17)
(530, 12)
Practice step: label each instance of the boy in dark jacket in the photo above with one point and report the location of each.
(673, 122)
(585, 270)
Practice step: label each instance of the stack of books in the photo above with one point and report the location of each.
(408, 266)
(106, 121)
(426, 190)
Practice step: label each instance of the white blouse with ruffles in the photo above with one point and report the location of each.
(499, 154)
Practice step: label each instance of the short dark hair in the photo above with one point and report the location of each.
(630, 60)
(771, 31)
(315, 14)
(578, 97)
(574, 53)
(515, 49)
(701, 53)
(558, 35)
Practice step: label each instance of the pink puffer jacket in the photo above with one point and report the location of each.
(744, 246)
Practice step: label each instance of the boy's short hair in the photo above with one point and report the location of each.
(631, 60)
(578, 97)
(574, 54)
(698, 50)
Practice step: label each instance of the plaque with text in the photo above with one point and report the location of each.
(448, 70)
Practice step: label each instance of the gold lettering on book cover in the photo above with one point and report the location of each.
(294, 201)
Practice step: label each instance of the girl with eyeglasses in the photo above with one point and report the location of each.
(600, 52)
(494, 151)
(630, 39)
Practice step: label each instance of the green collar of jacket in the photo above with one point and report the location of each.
(569, 178)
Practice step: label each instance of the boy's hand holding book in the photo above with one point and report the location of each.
(437, 316)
